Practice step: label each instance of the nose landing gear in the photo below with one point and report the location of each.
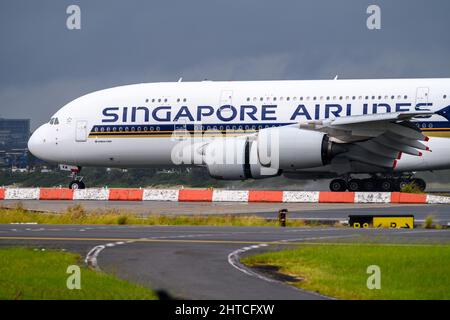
(77, 184)
(77, 181)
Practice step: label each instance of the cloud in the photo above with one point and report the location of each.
(43, 65)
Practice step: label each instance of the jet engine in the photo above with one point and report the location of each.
(267, 154)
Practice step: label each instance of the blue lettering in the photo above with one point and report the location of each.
(399, 107)
(300, 111)
(336, 112)
(109, 112)
(266, 111)
(165, 117)
(200, 113)
(419, 106)
(381, 105)
(348, 110)
(250, 113)
(317, 112)
(125, 114)
(134, 111)
(225, 117)
(183, 113)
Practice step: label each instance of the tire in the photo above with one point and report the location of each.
(402, 183)
(386, 185)
(354, 185)
(74, 185)
(420, 183)
(338, 185)
(369, 184)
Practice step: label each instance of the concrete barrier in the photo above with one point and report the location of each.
(160, 195)
(125, 194)
(91, 194)
(218, 195)
(399, 197)
(22, 194)
(55, 194)
(265, 196)
(230, 196)
(336, 197)
(372, 197)
(301, 196)
(201, 195)
(437, 199)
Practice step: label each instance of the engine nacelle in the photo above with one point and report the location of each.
(274, 150)
(235, 159)
(293, 148)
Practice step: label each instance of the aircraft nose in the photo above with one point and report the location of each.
(36, 143)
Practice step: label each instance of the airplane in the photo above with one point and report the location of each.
(365, 135)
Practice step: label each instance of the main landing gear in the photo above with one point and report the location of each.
(376, 183)
(77, 181)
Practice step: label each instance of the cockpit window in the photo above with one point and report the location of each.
(54, 121)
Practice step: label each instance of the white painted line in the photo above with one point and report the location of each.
(234, 259)
(91, 257)
(23, 223)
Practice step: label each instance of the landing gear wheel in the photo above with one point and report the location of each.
(354, 185)
(402, 184)
(338, 185)
(369, 184)
(420, 183)
(387, 185)
(74, 185)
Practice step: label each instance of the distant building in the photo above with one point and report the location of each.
(14, 134)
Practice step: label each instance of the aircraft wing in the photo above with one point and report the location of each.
(377, 139)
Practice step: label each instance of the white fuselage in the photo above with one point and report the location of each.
(133, 125)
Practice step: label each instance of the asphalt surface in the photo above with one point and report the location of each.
(197, 262)
(320, 211)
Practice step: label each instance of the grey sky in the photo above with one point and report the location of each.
(43, 65)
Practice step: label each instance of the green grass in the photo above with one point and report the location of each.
(34, 274)
(339, 270)
(78, 215)
(411, 188)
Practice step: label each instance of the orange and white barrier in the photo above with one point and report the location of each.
(91, 194)
(218, 195)
(22, 193)
(160, 195)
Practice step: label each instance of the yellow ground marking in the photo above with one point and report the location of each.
(148, 240)
(218, 241)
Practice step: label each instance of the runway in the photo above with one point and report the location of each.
(197, 262)
(335, 211)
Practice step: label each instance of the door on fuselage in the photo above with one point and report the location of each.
(81, 133)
